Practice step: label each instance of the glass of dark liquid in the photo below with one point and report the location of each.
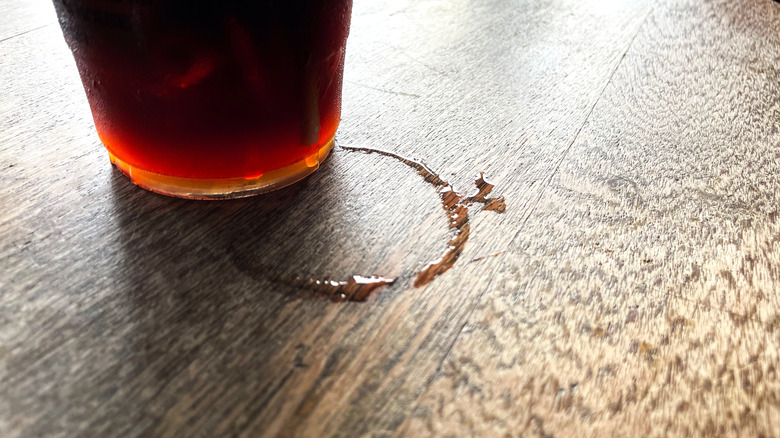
(211, 99)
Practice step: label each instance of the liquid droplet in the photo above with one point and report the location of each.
(483, 188)
(356, 288)
(495, 204)
(456, 206)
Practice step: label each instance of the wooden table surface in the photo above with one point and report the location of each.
(630, 288)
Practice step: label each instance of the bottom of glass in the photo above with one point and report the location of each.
(223, 188)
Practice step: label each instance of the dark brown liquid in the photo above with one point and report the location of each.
(359, 288)
(217, 89)
(356, 288)
(456, 206)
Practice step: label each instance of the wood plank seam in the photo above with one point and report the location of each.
(584, 122)
(622, 56)
(27, 31)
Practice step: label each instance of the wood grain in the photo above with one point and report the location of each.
(628, 287)
(22, 16)
(640, 297)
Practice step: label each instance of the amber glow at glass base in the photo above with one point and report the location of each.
(223, 188)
